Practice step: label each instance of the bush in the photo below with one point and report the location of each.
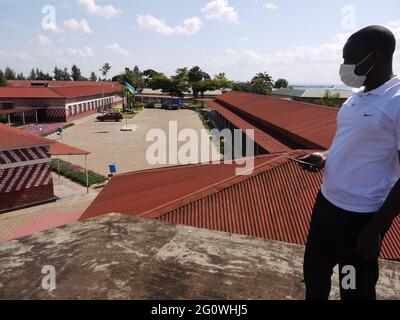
(77, 173)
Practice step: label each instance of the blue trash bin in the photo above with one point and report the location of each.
(113, 168)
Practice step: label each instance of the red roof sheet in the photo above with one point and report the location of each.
(62, 92)
(275, 202)
(61, 149)
(270, 144)
(86, 91)
(138, 192)
(55, 83)
(40, 92)
(313, 123)
(13, 138)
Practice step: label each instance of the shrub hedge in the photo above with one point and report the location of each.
(77, 173)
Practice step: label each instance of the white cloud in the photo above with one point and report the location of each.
(107, 11)
(325, 53)
(20, 56)
(220, 10)
(41, 40)
(188, 27)
(300, 63)
(115, 47)
(75, 25)
(83, 53)
(271, 5)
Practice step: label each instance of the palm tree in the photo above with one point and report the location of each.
(105, 69)
(264, 76)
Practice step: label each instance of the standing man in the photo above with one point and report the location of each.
(360, 195)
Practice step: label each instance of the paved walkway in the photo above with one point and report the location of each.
(108, 144)
(73, 198)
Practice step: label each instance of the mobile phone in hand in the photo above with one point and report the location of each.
(313, 165)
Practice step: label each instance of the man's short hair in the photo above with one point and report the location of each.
(376, 38)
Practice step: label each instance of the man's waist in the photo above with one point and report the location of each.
(357, 204)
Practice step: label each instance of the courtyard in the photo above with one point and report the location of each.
(108, 144)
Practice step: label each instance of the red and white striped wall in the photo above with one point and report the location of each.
(23, 169)
(56, 114)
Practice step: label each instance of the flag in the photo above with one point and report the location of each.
(130, 88)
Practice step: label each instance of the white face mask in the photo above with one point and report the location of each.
(349, 76)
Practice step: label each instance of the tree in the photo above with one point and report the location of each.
(241, 86)
(20, 76)
(260, 84)
(10, 74)
(203, 86)
(133, 77)
(66, 75)
(195, 76)
(3, 80)
(174, 85)
(93, 76)
(61, 75)
(221, 82)
(76, 73)
(136, 70)
(265, 77)
(281, 83)
(32, 75)
(57, 73)
(104, 70)
(40, 75)
(148, 75)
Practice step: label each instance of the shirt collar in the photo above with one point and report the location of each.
(382, 90)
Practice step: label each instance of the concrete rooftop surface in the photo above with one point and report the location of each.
(122, 257)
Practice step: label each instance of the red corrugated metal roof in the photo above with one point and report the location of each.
(13, 138)
(313, 123)
(61, 149)
(41, 92)
(270, 144)
(138, 192)
(61, 92)
(56, 83)
(275, 202)
(86, 91)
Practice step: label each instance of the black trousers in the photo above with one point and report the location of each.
(332, 240)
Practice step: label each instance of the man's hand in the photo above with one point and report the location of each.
(318, 159)
(368, 244)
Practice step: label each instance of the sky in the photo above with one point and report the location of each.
(300, 41)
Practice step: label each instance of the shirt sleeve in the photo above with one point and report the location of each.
(397, 130)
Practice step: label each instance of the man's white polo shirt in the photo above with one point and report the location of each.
(363, 162)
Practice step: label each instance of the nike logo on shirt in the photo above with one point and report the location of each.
(368, 115)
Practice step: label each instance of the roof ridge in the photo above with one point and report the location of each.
(275, 98)
(179, 167)
(59, 94)
(216, 187)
